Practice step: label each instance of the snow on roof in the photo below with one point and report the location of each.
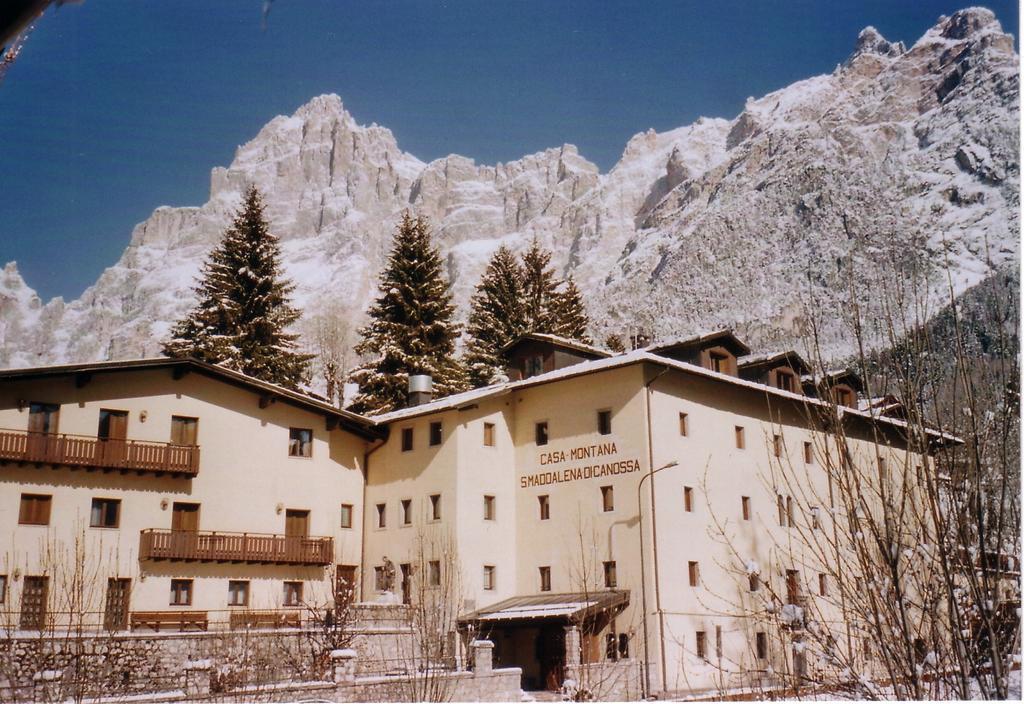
(558, 340)
(704, 336)
(623, 360)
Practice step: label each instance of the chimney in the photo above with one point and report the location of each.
(421, 389)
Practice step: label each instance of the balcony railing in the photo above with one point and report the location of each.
(256, 548)
(99, 453)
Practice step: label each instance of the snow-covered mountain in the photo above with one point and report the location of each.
(898, 154)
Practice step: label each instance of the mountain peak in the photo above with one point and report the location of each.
(871, 41)
(969, 21)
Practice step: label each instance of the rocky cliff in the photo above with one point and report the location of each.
(899, 155)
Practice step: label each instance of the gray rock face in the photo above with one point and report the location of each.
(898, 153)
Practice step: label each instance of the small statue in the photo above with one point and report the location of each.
(388, 581)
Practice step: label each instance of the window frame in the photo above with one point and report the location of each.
(434, 573)
(741, 438)
(179, 587)
(490, 507)
(296, 446)
(688, 499)
(610, 574)
(540, 433)
(408, 438)
(489, 435)
(103, 502)
(701, 642)
(604, 421)
(693, 572)
(544, 504)
(745, 507)
(545, 577)
(435, 433)
(808, 452)
(292, 593)
(684, 424)
(382, 516)
(232, 592)
(435, 508)
(607, 498)
(406, 505)
(761, 645)
(350, 509)
(490, 582)
(30, 514)
(189, 421)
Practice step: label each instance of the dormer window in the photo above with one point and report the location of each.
(534, 365)
(785, 380)
(719, 362)
(844, 396)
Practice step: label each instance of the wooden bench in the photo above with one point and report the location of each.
(174, 620)
(265, 619)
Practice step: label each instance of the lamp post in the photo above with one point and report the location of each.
(643, 571)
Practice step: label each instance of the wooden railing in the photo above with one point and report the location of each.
(196, 546)
(98, 453)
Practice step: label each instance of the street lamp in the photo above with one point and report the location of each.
(643, 571)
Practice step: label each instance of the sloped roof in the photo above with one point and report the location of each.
(360, 425)
(768, 359)
(724, 337)
(574, 605)
(574, 345)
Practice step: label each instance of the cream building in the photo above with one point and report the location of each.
(639, 502)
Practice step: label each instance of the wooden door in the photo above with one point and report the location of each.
(344, 586)
(550, 650)
(296, 530)
(406, 583)
(112, 434)
(33, 602)
(42, 430)
(115, 616)
(184, 530)
(792, 587)
(184, 430)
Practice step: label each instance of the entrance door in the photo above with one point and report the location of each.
(551, 656)
(115, 617)
(33, 602)
(344, 586)
(112, 434)
(42, 431)
(406, 583)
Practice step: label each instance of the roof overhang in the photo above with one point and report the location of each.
(557, 341)
(719, 338)
(179, 367)
(566, 607)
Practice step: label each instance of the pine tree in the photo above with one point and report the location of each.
(570, 314)
(497, 316)
(539, 289)
(244, 309)
(411, 328)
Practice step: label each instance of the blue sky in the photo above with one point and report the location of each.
(117, 107)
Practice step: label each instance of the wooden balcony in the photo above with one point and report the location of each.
(252, 548)
(92, 453)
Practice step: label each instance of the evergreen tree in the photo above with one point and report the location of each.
(570, 314)
(243, 309)
(539, 290)
(497, 316)
(411, 330)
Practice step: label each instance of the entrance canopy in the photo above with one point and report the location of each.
(575, 606)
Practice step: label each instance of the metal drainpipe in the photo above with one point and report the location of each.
(643, 570)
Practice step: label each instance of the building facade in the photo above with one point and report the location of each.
(600, 516)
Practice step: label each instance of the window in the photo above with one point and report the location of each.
(609, 574)
(300, 442)
(34, 595)
(719, 362)
(3, 589)
(488, 434)
(181, 592)
(435, 507)
(382, 515)
(777, 445)
(184, 430)
(488, 508)
(883, 475)
(761, 645)
(238, 593)
(822, 584)
(346, 515)
(815, 517)
(611, 651)
(115, 612)
(702, 645)
(545, 579)
(545, 507)
(436, 433)
(623, 645)
(785, 380)
(740, 440)
(718, 642)
(113, 426)
(782, 509)
(604, 422)
(789, 511)
(406, 512)
(293, 593)
(378, 578)
(488, 577)
(106, 513)
(755, 582)
(792, 586)
(684, 425)
(745, 504)
(534, 365)
(540, 433)
(687, 499)
(607, 498)
(35, 509)
(808, 453)
(785, 510)
(406, 439)
(694, 570)
(42, 417)
(434, 569)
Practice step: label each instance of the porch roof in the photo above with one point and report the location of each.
(565, 606)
